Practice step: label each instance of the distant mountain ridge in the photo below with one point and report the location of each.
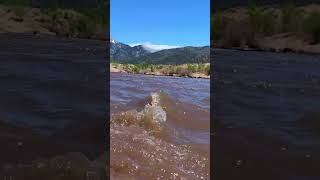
(122, 52)
(138, 54)
(176, 56)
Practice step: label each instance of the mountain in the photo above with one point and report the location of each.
(138, 54)
(176, 56)
(123, 52)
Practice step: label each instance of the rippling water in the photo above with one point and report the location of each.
(160, 127)
(52, 97)
(266, 108)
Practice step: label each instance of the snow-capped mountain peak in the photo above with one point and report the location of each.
(158, 54)
(120, 51)
(113, 41)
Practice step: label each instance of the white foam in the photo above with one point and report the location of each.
(157, 112)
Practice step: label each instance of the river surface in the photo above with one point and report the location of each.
(266, 110)
(160, 127)
(53, 97)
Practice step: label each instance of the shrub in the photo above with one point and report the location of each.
(261, 21)
(201, 67)
(96, 15)
(70, 23)
(192, 67)
(313, 27)
(19, 11)
(113, 61)
(291, 18)
(254, 16)
(151, 68)
(169, 70)
(135, 69)
(218, 24)
(83, 24)
(208, 71)
(233, 35)
(178, 70)
(16, 2)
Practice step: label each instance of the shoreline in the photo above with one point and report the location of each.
(274, 47)
(284, 51)
(119, 68)
(43, 35)
(164, 75)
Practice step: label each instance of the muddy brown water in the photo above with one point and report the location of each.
(143, 144)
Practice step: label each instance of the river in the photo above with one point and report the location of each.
(53, 98)
(266, 110)
(160, 127)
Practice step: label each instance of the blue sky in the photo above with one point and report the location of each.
(162, 23)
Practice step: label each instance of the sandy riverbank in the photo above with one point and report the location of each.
(61, 22)
(277, 29)
(184, 70)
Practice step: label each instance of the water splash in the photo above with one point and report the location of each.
(151, 118)
(139, 148)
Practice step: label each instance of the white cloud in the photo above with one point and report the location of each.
(136, 44)
(154, 47)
